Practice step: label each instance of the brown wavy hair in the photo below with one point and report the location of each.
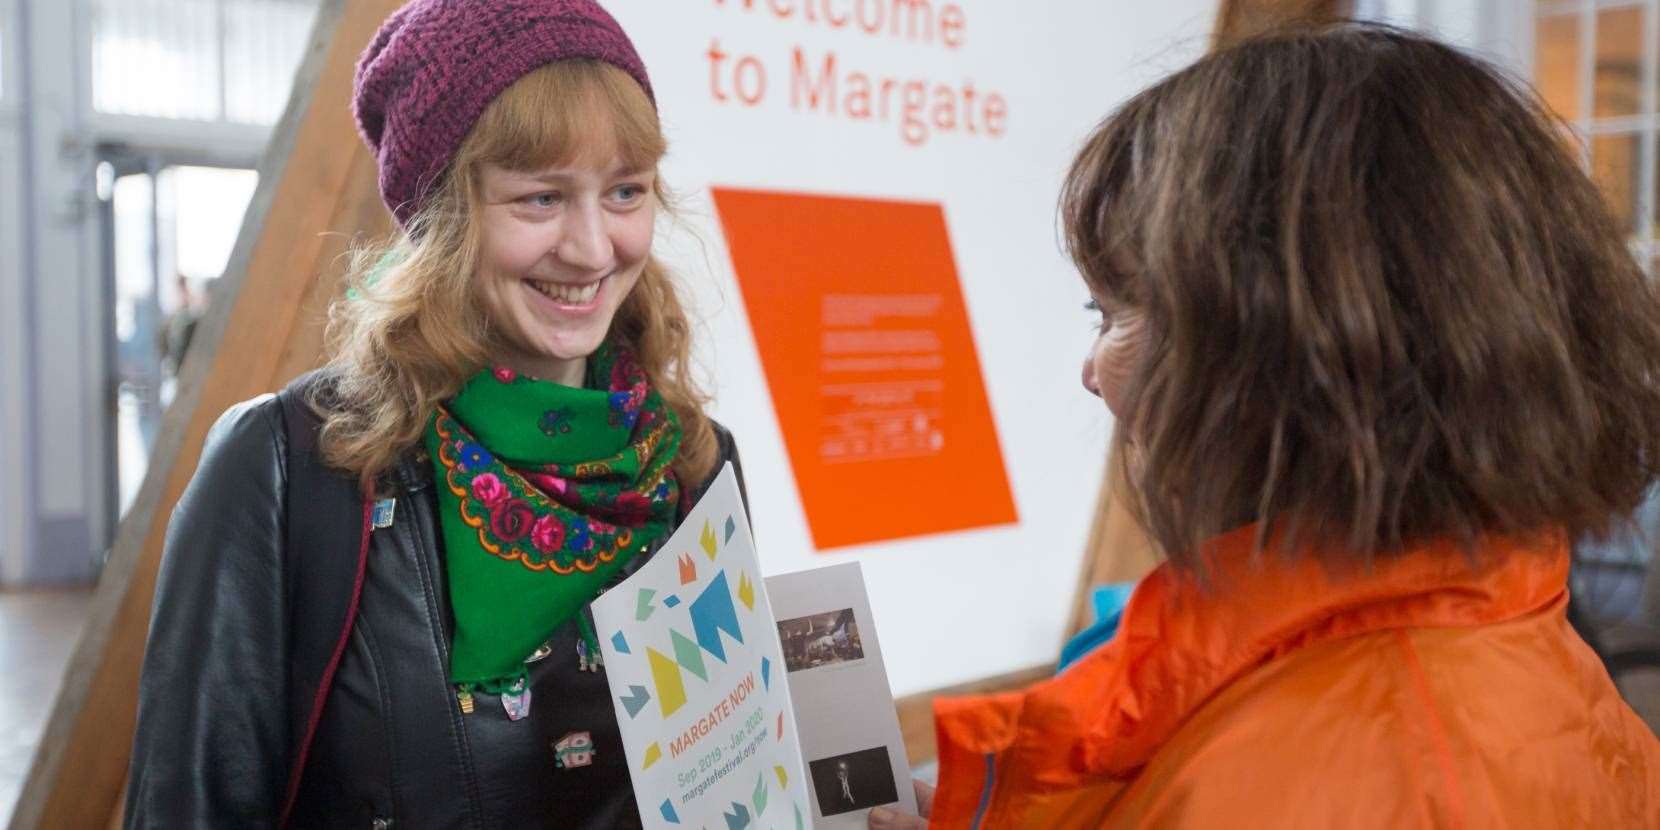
(1384, 303)
(412, 329)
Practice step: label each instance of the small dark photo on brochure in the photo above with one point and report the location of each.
(820, 640)
(855, 781)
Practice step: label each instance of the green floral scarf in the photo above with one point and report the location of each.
(544, 492)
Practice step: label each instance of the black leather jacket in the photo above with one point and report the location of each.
(393, 748)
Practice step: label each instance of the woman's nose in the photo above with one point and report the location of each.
(1089, 376)
(584, 243)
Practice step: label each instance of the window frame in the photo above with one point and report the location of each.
(1587, 127)
(220, 142)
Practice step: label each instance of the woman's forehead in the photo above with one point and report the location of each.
(582, 166)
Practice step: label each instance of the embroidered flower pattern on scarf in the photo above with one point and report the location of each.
(563, 517)
(545, 493)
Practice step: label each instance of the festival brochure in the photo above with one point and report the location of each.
(692, 656)
(850, 738)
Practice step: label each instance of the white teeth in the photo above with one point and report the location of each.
(567, 294)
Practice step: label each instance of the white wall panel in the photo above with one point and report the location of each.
(962, 605)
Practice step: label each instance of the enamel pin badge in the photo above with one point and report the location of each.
(574, 750)
(382, 513)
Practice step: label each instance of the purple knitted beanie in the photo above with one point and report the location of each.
(436, 64)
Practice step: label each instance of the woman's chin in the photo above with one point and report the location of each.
(567, 349)
(549, 358)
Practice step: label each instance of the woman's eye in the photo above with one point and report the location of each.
(1094, 307)
(542, 200)
(629, 192)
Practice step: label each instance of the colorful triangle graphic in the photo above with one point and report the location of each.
(671, 690)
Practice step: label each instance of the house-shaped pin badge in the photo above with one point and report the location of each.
(574, 750)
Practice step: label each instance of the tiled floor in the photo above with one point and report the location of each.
(38, 630)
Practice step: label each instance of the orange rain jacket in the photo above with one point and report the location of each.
(1430, 692)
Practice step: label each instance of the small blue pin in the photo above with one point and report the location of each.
(382, 515)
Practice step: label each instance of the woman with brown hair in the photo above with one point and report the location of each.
(1376, 351)
(506, 427)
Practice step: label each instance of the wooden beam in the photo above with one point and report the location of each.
(1238, 19)
(317, 184)
(1120, 551)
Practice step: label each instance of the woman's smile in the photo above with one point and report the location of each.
(567, 297)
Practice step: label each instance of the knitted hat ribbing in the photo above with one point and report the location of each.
(435, 65)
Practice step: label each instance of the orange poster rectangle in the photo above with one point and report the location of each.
(859, 320)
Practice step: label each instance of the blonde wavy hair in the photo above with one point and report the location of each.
(412, 329)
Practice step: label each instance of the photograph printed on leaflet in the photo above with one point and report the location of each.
(855, 781)
(820, 640)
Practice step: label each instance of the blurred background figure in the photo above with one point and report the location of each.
(180, 326)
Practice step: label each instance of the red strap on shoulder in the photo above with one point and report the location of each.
(327, 681)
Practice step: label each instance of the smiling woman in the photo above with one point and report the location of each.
(590, 204)
(532, 201)
(509, 387)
